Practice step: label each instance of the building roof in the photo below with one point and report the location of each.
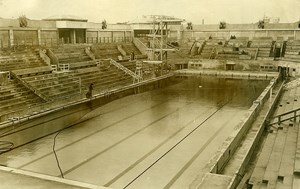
(66, 18)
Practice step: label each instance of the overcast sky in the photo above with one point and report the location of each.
(212, 11)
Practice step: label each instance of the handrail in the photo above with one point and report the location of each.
(212, 51)
(45, 58)
(273, 50)
(52, 56)
(126, 70)
(202, 47)
(281, 49)
(89, 53)
(256, 54)
(50, 107)
(52, 41)
(28, 86)
(140, 45)
(23, 42)
(192, 47)
(286, 113)
(279, 117)
(121, 50)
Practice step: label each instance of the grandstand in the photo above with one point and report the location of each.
(45, 82)
(292, 51)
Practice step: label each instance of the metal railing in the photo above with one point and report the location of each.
(89, 53)
(93, 40)
(28, 86)
(44, 56)
(140, 45)
(126, 70)
(290, 115)
(37, 110)
(49, 42)
(23, 42)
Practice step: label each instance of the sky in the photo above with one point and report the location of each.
(211, 11)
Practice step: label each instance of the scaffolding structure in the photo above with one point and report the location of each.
(159, 46)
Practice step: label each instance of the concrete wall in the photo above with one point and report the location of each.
(179, 32)
(26, 37)
(5, 23)
(281, 25)
(247, 26)
(41, 24)
(91, 34)
(250, 33)
(240, 65)
(49, 37)
(31, 23)
(242, 168)
(219, 160)
(233, 141)
(4, 38)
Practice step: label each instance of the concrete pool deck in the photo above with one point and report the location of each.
(19, 179)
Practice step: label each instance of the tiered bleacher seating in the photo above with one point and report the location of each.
(102, 78)
(19, 58)
(277, 162)
(51, 86)
(264, 46)
(235, 49)
(182, 51)
(211, 47)
(129, 48)
(106, 50)
(131, 65)
(292, 51)
(80, 65)
(71, 53)
(15, 97)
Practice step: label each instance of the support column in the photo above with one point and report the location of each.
(39, 37)
(74, 36)
(179, 34)
(294, 34)
(112, 36)
(11, 38)
(271, 91)
(98, 37)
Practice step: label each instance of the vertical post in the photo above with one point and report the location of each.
(294, 34)
(80, 85)
(271, 96)
(39, 37)
(161, 44)
(98, 36)
(124, 36)
(11, 38)
(112, 36)
(295, 114)
(279, 120)
(74, 37)
(167, 35)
